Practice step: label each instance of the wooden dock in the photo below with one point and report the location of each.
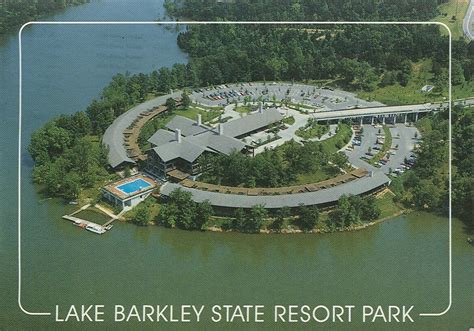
(91, 226)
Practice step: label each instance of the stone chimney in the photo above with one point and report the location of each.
(178, 135)
(221, 129)
(199, 119)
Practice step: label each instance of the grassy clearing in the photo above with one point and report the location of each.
(313, 131)
(289, 120)
(93, 214)
(453, 9)
(324, 173)
(387, 205)
(424, 125)
(151, 204)
(410, 94)
(243, 109)
(339, 140)
(192, 111)
(463, 91)
(299, 106)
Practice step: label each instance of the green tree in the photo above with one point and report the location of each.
(238, 220)
(168, 215)
(457, 73)
(170, 104)
(426, 194)
(203, 212)
(126, 171)
(142, 215)
(340, 160)
(49, 142)
(405, 73)
(440, 81)
(185, 100)
(71, 186)
(369, 209)
(308, 217)
(279, 219)
(253, 221)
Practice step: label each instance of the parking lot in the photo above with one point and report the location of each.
(403, 144)
(320, 99)
(314, 100)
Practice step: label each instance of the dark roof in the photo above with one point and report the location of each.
(220, 143)
(188, 127)
(324, 196)
(113, 137)
(162, 137)
(184, 150)
(251, 122)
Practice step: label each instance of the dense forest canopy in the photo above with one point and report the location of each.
(14, 13)
(304, 10)
(357, 57)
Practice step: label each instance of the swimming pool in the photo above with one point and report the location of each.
(135, 186)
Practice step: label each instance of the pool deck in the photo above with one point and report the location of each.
(113, 188)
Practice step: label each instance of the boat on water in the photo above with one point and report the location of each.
(80, 224)
(95, 229)
(108, 227)
(470, 240)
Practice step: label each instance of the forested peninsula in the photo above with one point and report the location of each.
(376, 62)
(14, 13)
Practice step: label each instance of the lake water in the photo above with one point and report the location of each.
(402, 261)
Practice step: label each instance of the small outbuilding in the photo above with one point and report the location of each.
(129, 192)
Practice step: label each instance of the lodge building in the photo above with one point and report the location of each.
(179, 146)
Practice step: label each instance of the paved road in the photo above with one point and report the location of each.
(469, 21)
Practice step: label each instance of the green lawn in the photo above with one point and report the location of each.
(243, 109)
(299, 106)
(324, 173)
(387, 206)
(447, 10)
(339, 140)
(315, 130)
(289, 120)
(410, 94)
(93, 214)
(463, 91)
(192, 111)
(151, 204)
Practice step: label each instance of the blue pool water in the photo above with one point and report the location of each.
(132, 187)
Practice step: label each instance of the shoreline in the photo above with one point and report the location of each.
(287, 231)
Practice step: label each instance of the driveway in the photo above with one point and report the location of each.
(468, 21)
